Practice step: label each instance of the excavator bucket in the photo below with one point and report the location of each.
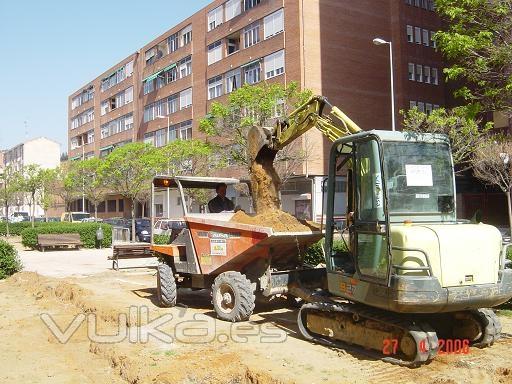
(259, 147)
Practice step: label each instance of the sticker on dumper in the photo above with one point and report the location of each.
(418, 175)
(218, 247)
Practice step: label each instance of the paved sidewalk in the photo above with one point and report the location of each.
(83, 262)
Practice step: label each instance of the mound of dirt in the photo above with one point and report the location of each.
(279, 221)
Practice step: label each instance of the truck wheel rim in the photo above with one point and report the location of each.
(225, 298)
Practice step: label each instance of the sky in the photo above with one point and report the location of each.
(49, 49)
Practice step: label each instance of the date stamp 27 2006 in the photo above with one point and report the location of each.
(445, 346)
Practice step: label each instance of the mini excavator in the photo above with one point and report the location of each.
(412, 275)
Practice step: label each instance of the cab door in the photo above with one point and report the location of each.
(369, 229)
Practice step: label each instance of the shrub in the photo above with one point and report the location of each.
(161, 239)
(87, 233)
(315, 255)
(15, 229)
(9, 260)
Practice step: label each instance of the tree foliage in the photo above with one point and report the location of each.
(228, 123)
(478, 44)
(10, 185)
(459, 124)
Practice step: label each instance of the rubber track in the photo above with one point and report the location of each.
(491, 327)
(168, 290)
(418, 331)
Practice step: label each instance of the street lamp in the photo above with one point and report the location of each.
(379, 41)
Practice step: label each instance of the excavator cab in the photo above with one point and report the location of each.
(407, 252)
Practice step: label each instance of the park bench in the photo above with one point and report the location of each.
(58, 240)
(129, 251)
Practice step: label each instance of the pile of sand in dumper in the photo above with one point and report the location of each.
(279, 221)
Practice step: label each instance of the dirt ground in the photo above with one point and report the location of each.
(193, 346)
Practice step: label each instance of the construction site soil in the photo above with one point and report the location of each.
(263, 350)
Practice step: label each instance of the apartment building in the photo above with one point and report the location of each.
(160, 92)
(40, 151)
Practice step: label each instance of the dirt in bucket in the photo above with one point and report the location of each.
(265, 186)
(279, 221)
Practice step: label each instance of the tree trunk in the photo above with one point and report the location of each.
(7, 220)
(96, 210)
(133, 219)
(143, 209)
(509, 204)
(33, 209)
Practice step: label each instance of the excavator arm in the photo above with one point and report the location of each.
(263, 143)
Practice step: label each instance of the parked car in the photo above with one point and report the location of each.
(74, 217)
(143, 230)
(92, 220)
(18, 217)
(165, 226)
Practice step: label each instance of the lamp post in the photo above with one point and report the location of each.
(379, 41)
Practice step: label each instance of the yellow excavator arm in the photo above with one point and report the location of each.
(265, 142)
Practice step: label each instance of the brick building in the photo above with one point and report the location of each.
(324, 45)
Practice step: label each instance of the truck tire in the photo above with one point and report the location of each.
(166, 286)
(233, 296)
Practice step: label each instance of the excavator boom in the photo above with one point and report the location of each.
(263, 142)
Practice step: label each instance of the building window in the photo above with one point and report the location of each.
(116, 77)
(186, 130)
(233, 80)
(252, 73)
(214, 52)
(421, 106)
(154, 110)
(417, 35)
(83, 118)
(435, 76)
(419, 73)
(120, 205)
(149, 138)
(426, 37)
(86, 95)
(426, 74)
(428, 108)
(248, 4)
(111, 205)
(251, 35)
(273, 24)
(161, 137)
(215, 17)
(186, 35)
(411, 71)
(214, 87)
(274, 64)
(233, 43)
(172, 104)
(149, 86)
(433, 43)
(424, 4)
(431, 5)
(233, 8)
(186, 98)
(416, 3)
(410, 34)
(123, 123)
(408, 2)
(173, 42)
(185, 66)
(120, 99)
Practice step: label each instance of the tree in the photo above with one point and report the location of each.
(32, 184)
(93, 185)
(129, 170)
(47, 191)
(478, 43)
(9, 187)
(68, 184)
(248, 106)
(458, 124)
(492, 164)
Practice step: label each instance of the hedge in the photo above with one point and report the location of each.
(87, 233)
(15, 229)
(161, 239)
(9, 261)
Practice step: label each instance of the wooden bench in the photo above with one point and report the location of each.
(129, 251)
(58, 240)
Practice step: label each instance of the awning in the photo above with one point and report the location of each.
(153, 76)
(106, 148)
(250, 63)
(169, 67)
(76, 158)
